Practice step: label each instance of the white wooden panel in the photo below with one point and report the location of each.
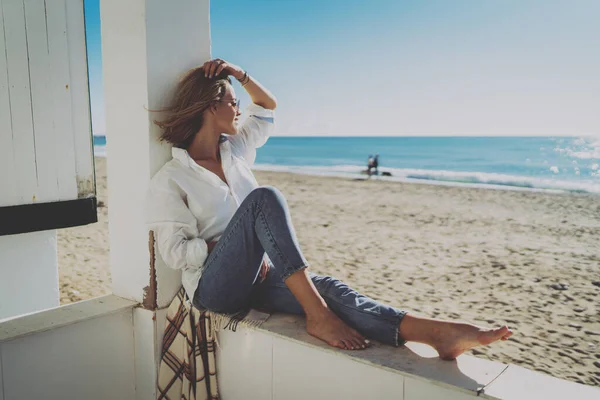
(1, 377)
(92, 360)
(80, 100)
(422, 390)
(20, 101)
(245, 364)
(161, 320)
(21, 258)
(303, 372)
(41, 98)
(45, 127)
(60, 76)
(522, 383)
(57, 317)
(146, 353)
(7, 177)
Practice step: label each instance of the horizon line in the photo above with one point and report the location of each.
(418, 135)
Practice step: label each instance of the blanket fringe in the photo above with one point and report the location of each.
(219, 322)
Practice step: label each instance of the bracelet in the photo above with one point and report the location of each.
(244, 79)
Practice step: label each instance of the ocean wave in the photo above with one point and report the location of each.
(479, 179)
(581, 148)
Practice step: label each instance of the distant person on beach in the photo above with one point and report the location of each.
(234, 240)
(376, 164)
(370, 164)
(373, 165)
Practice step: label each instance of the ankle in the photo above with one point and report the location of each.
(421, 329)
(318, 311)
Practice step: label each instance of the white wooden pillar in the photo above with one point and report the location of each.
(146, 46)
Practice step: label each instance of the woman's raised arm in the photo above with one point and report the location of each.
(258, 93)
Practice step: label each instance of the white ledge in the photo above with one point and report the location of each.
(28, 324)
(420, 361)
(466, 377)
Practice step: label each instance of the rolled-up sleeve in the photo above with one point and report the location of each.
(255, 131)
(175, 229)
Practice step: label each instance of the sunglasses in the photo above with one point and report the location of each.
(233, 102)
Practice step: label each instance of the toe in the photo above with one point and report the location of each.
(491, 335)
(348, 345)
(503, 333)
(357, 343)
(359, 338)
(507, 335)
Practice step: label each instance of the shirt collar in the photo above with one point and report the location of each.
(183, 156)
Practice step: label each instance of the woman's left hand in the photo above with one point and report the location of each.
(215, 66)
(264, 270)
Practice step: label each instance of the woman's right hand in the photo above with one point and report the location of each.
(211, 245)
(215, 66)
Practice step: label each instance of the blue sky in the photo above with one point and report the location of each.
(399, 67)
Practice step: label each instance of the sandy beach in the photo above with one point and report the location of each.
(491, 257)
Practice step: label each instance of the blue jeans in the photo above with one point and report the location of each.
(262, 224)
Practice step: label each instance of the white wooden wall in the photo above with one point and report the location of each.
(81, 351)
(45, 128)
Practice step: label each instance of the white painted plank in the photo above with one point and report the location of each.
(91, 360)
(60, 75)
(522, 383)
(80, 99)
(331, 375)
(1, 376)
(245, 364)
(22, 257)
(69, 314)
(7, 175)
(415, 389)
(41, 98)
(20, 100)
(146, 355)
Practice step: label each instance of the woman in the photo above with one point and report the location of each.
(215, 223)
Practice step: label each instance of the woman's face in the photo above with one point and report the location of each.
(227, 114)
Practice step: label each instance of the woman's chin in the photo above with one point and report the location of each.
(233, 130)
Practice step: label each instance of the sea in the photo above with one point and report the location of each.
(564, 164)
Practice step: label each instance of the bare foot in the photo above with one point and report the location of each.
(329, 328)
(454, 338)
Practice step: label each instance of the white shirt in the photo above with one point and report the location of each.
(188, 206)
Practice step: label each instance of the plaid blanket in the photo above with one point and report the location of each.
(187, 368)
